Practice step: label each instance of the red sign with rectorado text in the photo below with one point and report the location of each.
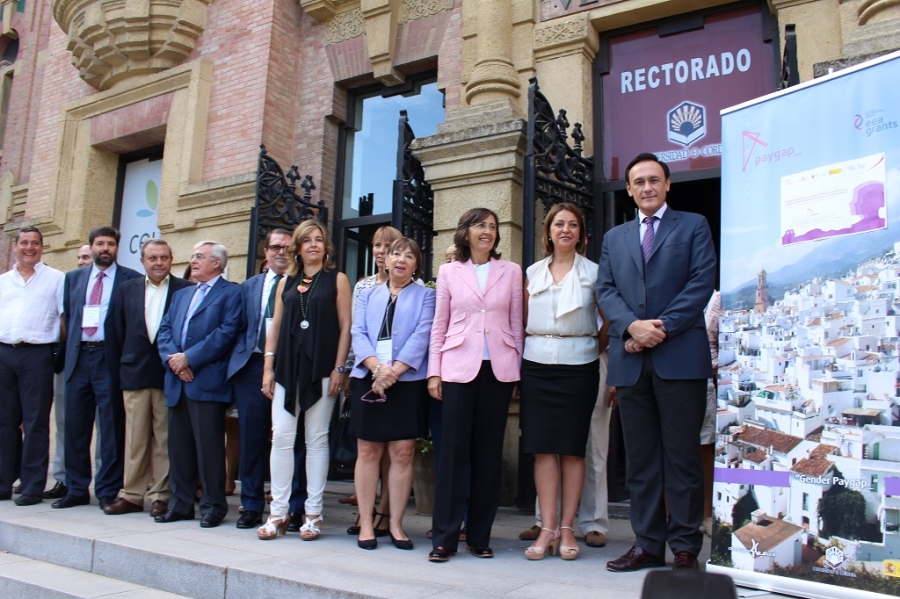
(664, 94)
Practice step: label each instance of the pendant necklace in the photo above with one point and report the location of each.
(305, 288)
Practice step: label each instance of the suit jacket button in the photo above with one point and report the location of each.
(640, 305)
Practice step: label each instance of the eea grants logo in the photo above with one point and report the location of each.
(686, 123)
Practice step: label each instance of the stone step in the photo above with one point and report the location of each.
(24, 577)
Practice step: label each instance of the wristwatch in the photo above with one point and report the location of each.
(340, 369)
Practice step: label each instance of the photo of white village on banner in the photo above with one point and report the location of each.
(807, 485)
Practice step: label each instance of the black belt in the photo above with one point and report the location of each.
(23, 344)
(93, 343)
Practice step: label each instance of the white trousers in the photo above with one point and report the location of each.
(593, 512)
(281, 461)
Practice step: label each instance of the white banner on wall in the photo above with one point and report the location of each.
(140, 205)
(807, 484)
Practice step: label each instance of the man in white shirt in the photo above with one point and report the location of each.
(143, 303)
(92, 372)
(31, 302)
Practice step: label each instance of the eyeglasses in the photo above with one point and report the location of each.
(371, 397)
(198, 257)
(277, 248)
(482, 226)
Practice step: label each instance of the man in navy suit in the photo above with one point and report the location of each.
(245, 370)
(91, 294)
(195, 339)
(138, 315)
(656, 275)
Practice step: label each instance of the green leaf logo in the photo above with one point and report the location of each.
(152, 199)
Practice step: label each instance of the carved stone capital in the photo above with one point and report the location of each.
(320, 10)
(344, 26)
(566, 35)
(874, 11)
(411, 10)
(112, 40)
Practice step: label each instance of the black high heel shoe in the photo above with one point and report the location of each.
(354, 530)
(368, 544)
(382, 519)
(405, 544)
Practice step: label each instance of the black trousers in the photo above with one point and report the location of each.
(474, 422)
(197, 450)
(26, 394)
(661, 420)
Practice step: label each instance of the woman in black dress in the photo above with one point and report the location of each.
(391, 330)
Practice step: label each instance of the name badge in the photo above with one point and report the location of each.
(90, 318)
(383, 350)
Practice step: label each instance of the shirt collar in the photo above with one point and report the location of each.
(37, 267)
(163, 283)
(658, 214)
(109, 272)
(211, 282)
(270, 275)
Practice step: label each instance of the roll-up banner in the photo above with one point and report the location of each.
(807, 479)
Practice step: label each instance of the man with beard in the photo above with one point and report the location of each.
(92, 372)
(31, 304)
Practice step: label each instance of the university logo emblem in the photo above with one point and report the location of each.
(834, 557)
(686, 123)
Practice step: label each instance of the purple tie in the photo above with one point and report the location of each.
(649, 237)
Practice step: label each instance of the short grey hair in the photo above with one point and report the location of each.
(218, 251)
(154, 241)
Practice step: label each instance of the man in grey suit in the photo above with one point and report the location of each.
(656, 275)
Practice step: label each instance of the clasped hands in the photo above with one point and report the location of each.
(180, 366)
(644, 333)
(384, 378)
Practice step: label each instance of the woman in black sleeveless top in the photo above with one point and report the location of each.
(306, 348)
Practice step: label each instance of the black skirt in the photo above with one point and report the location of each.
(404, 414)
(557, 404)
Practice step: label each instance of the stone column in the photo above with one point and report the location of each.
(494, 76)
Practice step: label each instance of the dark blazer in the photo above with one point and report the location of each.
(212, 331)
(140, 367)
(73, 303)
(674, 287)
(251, 302)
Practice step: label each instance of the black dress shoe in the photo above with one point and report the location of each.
(211, 521)
(684, 560)
(297, 521)
(484, 552)
(58, 491)
(401, 543)
(368, 544)
(249, 519)
(440, 554)
(105, 502)
(29, 499)
(5, 496)
(635, 559)
(70, 501)
(172, 516)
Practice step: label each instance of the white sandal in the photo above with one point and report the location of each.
(309, 531)
(275, 526)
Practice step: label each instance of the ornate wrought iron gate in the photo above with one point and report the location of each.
(554, 172)
(413, 206)
(278, 205)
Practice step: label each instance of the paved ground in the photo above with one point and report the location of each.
(184, 559)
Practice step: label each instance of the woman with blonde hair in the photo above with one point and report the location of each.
(303, 370)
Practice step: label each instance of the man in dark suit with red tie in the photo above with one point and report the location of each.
(92, 372)
(656, 275)
(195, 340)
(139, 313)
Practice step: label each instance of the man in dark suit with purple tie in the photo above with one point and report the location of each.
(656, 275)
(195, 340)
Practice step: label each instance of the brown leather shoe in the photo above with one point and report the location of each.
(158, 508)
(530, 534)
(122, 506)
(685, 560)
(636, 559)
(595, 538)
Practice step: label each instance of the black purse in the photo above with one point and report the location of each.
(343, 444)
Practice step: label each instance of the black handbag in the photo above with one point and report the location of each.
(343, 444)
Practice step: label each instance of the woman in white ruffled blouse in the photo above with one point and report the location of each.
(560, 375)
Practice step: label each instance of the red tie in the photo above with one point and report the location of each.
(96, 294)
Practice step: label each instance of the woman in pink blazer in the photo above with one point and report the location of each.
(473, 365)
